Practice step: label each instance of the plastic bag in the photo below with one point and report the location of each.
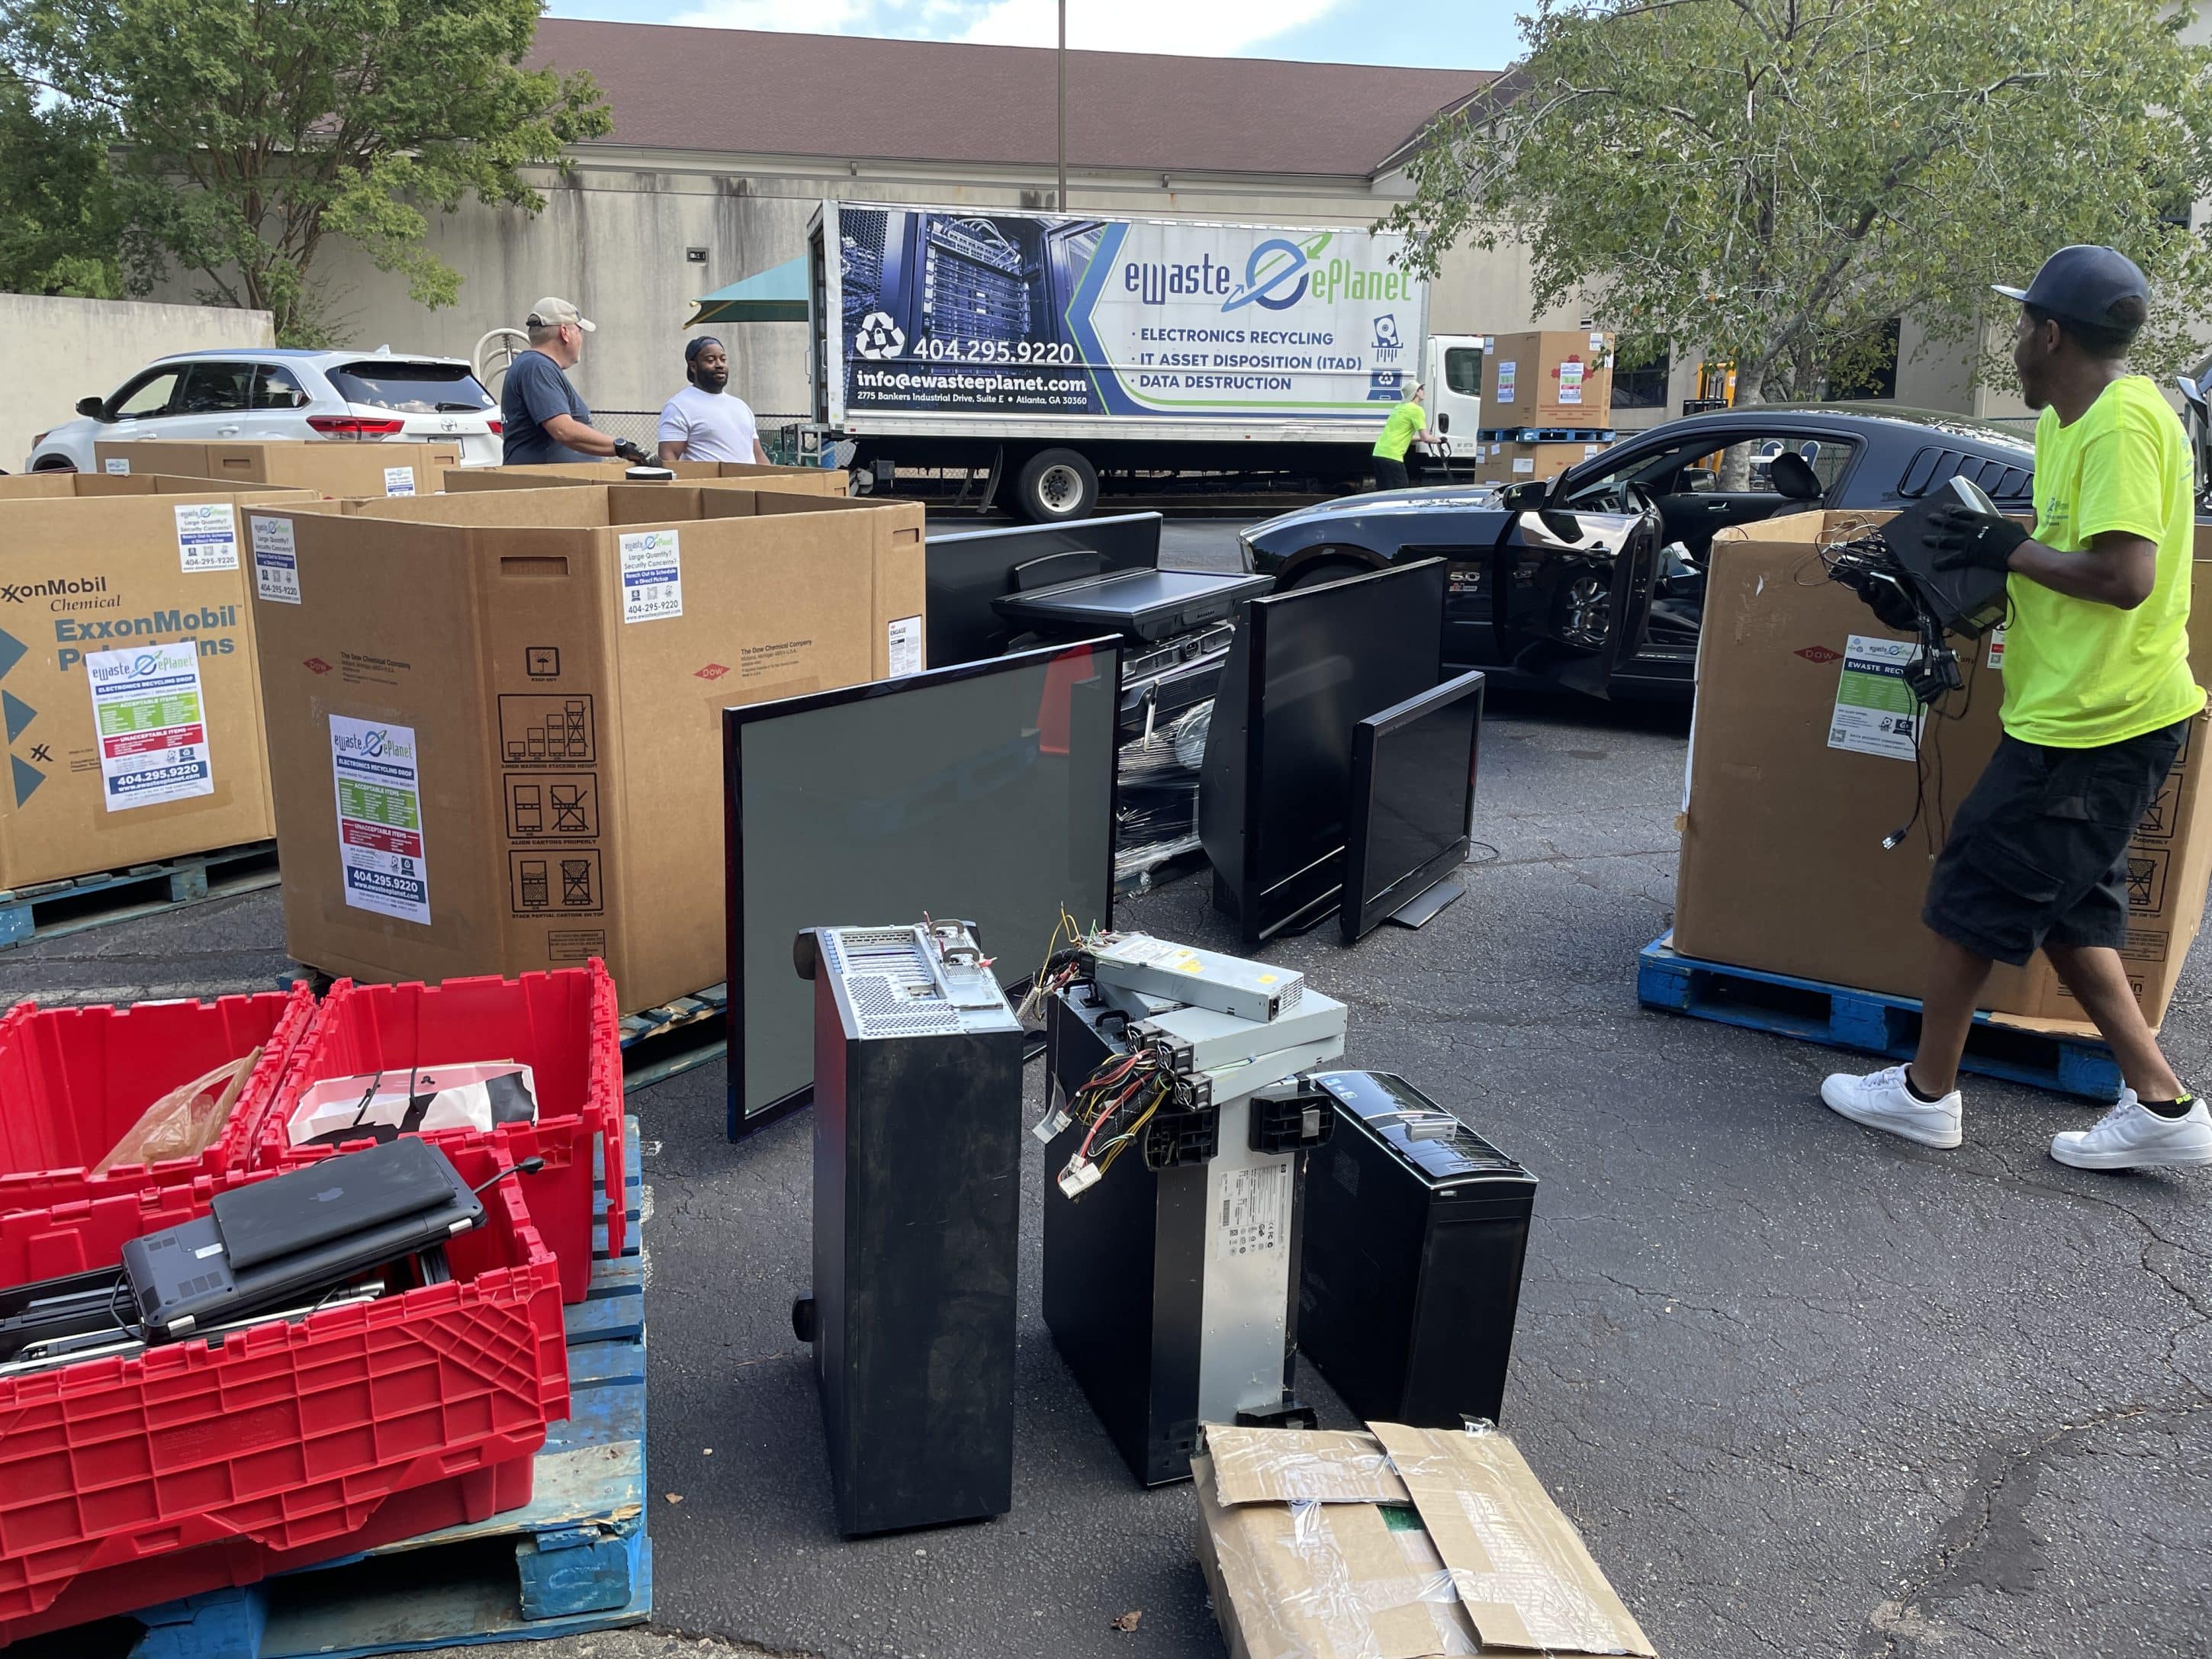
(185, 1121)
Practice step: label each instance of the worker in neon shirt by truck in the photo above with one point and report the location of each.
(1408, 424)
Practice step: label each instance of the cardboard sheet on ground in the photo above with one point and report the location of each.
(1399, 1544)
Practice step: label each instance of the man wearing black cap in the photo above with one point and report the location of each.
(703, 422)
(2097, 700)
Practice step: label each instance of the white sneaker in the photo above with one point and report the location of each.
(1880, 1101)
(2132, 1137)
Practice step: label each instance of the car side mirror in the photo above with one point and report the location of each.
(93, 408)
(1561, 523)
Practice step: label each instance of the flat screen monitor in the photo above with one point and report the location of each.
(965, 569)
(1413, 802)
(1305, 668)
(982, 792)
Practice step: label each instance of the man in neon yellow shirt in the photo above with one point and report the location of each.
(1408, 424)
(2098, 698)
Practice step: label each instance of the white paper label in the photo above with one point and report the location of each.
(1505, 382)
(118, 464)
(1255, 1211)
(1590, 449)
(906, 646)
(1571, 380)
(1523, 464)
(1996, 646)
(651, 575)
(207, 536)
(399, 481)
(152, 721)
(1597, 341)
(1874, 714)
(380, 818)
(275, 560)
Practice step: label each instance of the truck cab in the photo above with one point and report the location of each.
(1451, 369)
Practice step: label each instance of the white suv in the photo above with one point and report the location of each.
(270, 391)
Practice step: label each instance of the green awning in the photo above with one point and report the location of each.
(778, 295)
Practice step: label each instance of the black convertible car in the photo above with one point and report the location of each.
(1595, 580)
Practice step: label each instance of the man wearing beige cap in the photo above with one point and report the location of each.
(541, 417)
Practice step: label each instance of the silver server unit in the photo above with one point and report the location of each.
(1171, 1272)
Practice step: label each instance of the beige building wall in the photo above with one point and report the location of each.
(59, 351)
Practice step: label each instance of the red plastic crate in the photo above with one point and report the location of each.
(563, 1024)
(74, 1080)
(190, 1467)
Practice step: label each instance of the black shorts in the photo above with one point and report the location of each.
(1389, 474)
(2038, 852)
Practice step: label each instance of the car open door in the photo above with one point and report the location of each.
(1576, 588)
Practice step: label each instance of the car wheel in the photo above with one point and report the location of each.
(1320, 574)
(1585, 610)
(1057, 485)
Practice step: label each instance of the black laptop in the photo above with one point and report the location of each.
(266, 1244)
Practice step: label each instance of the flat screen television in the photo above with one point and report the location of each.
(964, 570)
(1413, 802)
(982, 792)
(1305, 668)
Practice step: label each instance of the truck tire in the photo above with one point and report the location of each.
(1057, 485)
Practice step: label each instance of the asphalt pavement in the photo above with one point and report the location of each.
(1807, 1389)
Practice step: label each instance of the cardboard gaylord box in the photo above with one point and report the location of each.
(1505, 463)
(743, 475)
(1399, 1543)
(495, 727)
(1552, 377)
(338, 467)
(1803, 761)
(132, 710)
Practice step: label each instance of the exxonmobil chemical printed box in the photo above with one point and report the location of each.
(128, 693)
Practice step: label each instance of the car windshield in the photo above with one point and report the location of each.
(411, 388)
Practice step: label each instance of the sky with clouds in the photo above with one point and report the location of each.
(1429, 33)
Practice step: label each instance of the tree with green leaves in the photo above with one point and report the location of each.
(248, 132)
(60, 223)
(1776, 180)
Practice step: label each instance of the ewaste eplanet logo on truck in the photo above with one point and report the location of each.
(953, 312)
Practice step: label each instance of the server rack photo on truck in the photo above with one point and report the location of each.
(1042, 352)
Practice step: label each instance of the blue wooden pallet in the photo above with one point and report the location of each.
(576, 1558)
(47, 909)
(1843, 1018)
(675, 1037)
(1548, 434)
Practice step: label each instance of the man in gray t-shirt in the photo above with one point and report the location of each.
(540, 418)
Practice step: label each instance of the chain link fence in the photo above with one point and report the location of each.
(778, 433)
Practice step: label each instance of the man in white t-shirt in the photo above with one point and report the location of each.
(703, 422)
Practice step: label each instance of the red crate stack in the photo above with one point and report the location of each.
(563, 1024)
(189, 1466)
(73, 1082)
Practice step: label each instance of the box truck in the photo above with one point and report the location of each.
(1043, 352)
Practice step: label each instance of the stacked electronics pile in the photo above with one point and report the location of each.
(308, 1206)
(936, 842)
(991, 590)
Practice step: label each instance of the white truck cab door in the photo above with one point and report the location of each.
(1452, 372)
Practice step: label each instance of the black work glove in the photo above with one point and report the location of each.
(1960, 537)
(631, 453)
(1892, 608)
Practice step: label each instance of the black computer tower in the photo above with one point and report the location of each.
(1415, 1231)
(1126, 1269)
(917, 1186)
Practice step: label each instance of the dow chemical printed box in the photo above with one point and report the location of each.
(496, 716)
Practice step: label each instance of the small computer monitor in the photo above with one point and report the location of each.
(981, 792)
(1305, 668)
(1413, 804)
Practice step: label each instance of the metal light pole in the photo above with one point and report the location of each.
(1060, 59)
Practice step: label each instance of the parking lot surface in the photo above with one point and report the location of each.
(1807, 1389)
